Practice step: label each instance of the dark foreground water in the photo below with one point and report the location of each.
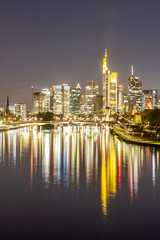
(78, 185)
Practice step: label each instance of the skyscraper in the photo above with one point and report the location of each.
(42, 101)
(113, 91)
(65, 99)
(109, 86)
(60, 99)
(75, 100)
(20, 109)
(91, 90)
(120, 97)
(106, 78)
(56, 99)
(134, 92)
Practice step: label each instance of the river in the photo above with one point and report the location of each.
(81, 183)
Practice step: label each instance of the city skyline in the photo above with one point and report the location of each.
(39, 40)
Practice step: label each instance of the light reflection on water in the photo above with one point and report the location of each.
(80, 161)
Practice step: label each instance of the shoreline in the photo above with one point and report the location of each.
(122, 137)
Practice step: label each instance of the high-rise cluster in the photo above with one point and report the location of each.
(65, 100)
(62, 99)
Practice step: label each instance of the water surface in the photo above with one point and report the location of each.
(79, 183)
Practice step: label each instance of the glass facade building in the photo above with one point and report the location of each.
(75, 100)
(60, 99)
(120, 97)
(91, 90)
(134, 92)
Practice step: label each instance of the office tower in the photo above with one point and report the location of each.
(106, 78)
(109, 90)
(60, 99)
(7, 106)
(91, 90)
(75, 100)
(42, 101)
(134, 92)
(153, 94)
(56, 99)
(126, 104)
(65, 99)
(148, 100)
(113, 91)
(20, 110)
(98, 103)
(32, 92)
(120, 97)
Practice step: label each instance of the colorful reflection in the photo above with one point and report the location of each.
(86, 159)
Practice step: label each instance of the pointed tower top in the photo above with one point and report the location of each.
(78, 86)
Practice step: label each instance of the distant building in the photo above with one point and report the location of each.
(91, 90)
(1, 110)
(120, 97)
(7, 106)
(20, 110)
(153, 94)
(134, 92)
(42, 101)
(60, 99)
(75, 100)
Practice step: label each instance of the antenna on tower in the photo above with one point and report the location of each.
(132, 70)
(105, 52)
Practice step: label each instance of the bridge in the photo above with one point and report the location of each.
(80, 122)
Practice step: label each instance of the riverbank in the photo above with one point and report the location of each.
(123, 136)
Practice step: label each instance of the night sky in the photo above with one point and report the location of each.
(46, 42)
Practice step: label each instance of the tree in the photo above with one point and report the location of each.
(154, 118)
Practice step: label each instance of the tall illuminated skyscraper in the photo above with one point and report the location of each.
(60, 99)
(109, 86)
(42, 101)
(75, 100)
(106, 78)
(134, 92)
(65, 99)
(91, 90)
(120, 97)
(113, 91)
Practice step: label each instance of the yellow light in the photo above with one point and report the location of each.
(113, 77)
